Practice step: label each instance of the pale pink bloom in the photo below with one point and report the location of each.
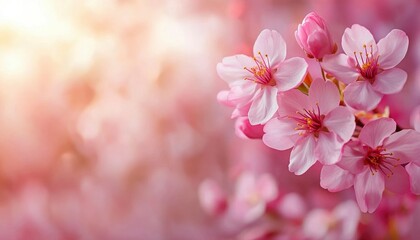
(368, 68)
(255, 81)
(341, 223)
(292, 206)
(212, 198)
(376, 159)
(252, 195)
(315, 126)
(244, 129)
(314, 38)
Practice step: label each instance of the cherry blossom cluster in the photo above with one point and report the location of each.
(335, 119)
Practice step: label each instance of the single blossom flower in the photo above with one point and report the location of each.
(340, 223)
(255, 81)
(368, 68)
(252, 195)
(375, 159)
(314, 38)
(314, 125)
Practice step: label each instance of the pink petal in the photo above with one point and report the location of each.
(222, 97)
(413, 171)
(341, 66)
(302, 156)
(319, 43)
(404, 145)
(325, 94)
(392, 49)
(355, 38)
(267, 187)
(415, 118)
(336, 179)
(241, 93)
(348, 214)
(374, 132)
(352, 158)
(341, 122)
(369, 189)
(328, 148)
(292, 101)
(212, 197)
(264, 106)
(244, 129)
(245, 185)
(231, 68)
(290, 73)
(390, 81)
(361, 96)
(270, 42)
(316, 224)
(398, 182)
(279, 133)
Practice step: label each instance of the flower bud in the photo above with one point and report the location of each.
(314, 38)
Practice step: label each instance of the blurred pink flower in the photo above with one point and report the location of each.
(212, 198)
(252, 195)
(314, 38)
(315, 126)
(367, 67)
(257, 80)
(341, 223)
(375, 159)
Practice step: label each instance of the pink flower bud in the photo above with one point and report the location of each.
(244, 129)
(314, 38)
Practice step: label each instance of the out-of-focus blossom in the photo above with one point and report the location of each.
(212, 198)
(415, 119)
(292, 206)
(252, 195)
(314, 37)
(367, 67)
(315, 126)
(257, 80)
(376, 159)
(341, 223)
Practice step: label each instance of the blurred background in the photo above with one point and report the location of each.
(109, 120)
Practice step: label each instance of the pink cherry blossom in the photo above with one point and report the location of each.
(314, 125)
(314, 38)
(368, 67)
(252, 194)
(212, 197)
(375, 159)
(341, 223)
(255, 81)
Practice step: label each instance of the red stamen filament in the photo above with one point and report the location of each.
(380, 160)
(368, 65)
(310, 122)
(262, 71)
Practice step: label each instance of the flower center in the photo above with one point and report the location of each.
(379, 160)
(310, 122)
(368, 65)
(262, 71)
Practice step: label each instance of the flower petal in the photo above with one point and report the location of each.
(325, 94)
(267, 187)
(241, 93)
(413, 171)
(369, 189)
(291, 101)
(302, 157)
(374, 132)
(398, 182)
(336, 179)
(361, 96)
(341, 122)
(355, 38)
(319, 43)
(231, 68)
(352, 158)
(392, 48)
(328, 148)
(390, 81)
(341, 66)
(404, 145)
(290, 73)
(264, 106)
(270, 42)
(279, 133)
